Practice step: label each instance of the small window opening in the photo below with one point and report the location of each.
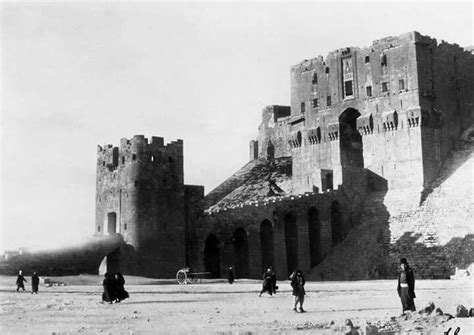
(367, 59)
(134, 157)
(103, 163)
(327, 70)
(315, 103)
(136, 183)
(315, 78)
(383, 60)
(123, 160)
(124, 226)
(328, 101)
(170, 159)
(302, 107)
(98, 229)
(348, 88)
(368, 90)
(401, 84)
(385, 87)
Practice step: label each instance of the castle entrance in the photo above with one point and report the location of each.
(291, 242)
(266, 244)
(212, 256)
(314, 229)
(241, 253)
(111, 262)
(350, 141)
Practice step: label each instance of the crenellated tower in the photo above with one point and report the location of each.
(141, 195)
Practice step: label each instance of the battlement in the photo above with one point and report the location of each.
(139, 149)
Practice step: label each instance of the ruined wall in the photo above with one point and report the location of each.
(140, 189)
(273, 133)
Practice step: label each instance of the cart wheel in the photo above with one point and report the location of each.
(181, 277)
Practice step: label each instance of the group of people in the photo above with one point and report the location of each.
(20, 282)
(405, 288)
(114, 288)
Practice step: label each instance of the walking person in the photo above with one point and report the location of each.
(230, 275)
(274, 280)
(109, 294)
(120, 287)
(406, 286)
(20, 280)
(297, 283)
(34, 283)
(267, 284)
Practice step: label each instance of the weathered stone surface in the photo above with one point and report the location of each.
(461, 312)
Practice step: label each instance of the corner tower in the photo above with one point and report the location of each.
(140, 195)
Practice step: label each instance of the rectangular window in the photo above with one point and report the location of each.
(124, 226)
(315, 103)
(384, 87)
(401, 84)
(367, 59)
(134, 157)
(348, 88)
(302, 107)
(315, 79)
(328, 101)
(383, 60)
(368, 90)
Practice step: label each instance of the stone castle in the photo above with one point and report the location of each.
(334, 184)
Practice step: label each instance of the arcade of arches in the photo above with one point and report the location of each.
(286, 239)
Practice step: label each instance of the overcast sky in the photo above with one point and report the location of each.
(77, 74)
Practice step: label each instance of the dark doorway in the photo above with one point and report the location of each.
(212, 256)
(111, 223)
(314, 229)
(350, 142)
(113, 261)
(266, 244)
(336, 223)
(241, 253)
(291, 241)
(270, 150)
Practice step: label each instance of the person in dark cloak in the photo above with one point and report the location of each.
(230, 275)
(297, 283)
(406, 286)
(274, 280)
(267, 284)
(120, 287)
(34, 283)
(20, 280)
(109, 295)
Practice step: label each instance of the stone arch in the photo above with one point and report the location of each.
(314, 233)
(212, 256)
(241, 253)
(291, 242)
(350, 140)
(270, 150)
(266, 244)
(337, 234)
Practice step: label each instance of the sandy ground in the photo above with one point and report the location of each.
(162, 307)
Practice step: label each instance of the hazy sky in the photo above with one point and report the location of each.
(78, 74)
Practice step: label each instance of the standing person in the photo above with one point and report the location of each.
(297, 283)
(406, 286)
(274, 280)
(120, 287)
(109, 288)
(267, 285)
(34, 283)
(20, 280)
(230, 275)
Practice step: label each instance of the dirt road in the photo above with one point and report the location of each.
(223, 308)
